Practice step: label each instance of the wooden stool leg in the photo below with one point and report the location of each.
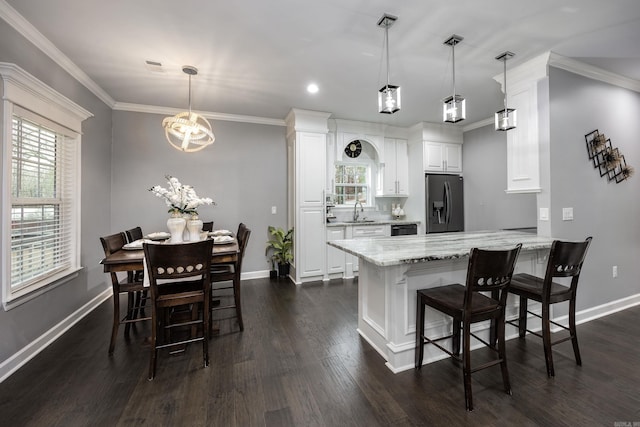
(522, 317)
(502, 353)
(419, 332)
(154, 351)
(130, 305)
(466, 368)
(237, 299)
(116, 320)
(572, 330)
(546, 339)
(455, 344)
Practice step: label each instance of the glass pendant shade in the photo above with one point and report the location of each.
(505, 119)
(389, 99)
(454, 108)
(188, 131)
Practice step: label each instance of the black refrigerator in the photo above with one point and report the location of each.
(445, 203)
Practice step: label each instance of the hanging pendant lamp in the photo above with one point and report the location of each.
(453, 108)
(505, 119)
(388, 95)
(188, 131)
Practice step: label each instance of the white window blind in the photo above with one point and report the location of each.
(42, 203)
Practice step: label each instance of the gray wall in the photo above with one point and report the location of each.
(487, 206)
(607, 211)
(244, 172)
(23, 324)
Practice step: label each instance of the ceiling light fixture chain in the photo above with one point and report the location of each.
(188, 131)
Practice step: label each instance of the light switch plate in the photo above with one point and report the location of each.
(544, 214)
(567, 214)
(274, 210)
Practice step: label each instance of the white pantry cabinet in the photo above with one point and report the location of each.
(442, 157)
(394, 174)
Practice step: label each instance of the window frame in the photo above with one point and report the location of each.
(369, 184)
(25, 96)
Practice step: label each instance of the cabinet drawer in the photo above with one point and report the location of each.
(370, 231)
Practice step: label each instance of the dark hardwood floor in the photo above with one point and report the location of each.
(301, 362)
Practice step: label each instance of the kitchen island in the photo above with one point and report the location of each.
(393, 268)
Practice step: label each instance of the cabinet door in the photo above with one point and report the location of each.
(389, 170)
(453, 157)
(402, 167)
(310, 175)
(433, 157)
(335, 257)
(310, 238)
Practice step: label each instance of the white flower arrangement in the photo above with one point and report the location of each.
(180, 198)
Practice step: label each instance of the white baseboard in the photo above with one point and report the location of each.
(19, 359)
(593, 313)
(260, 274)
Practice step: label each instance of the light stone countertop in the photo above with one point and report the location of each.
(374, 222)
(388, 251)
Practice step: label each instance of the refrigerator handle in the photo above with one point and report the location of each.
(447, 202)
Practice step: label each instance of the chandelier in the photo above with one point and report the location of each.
(388, 95)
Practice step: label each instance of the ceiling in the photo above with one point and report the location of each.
(256, 57)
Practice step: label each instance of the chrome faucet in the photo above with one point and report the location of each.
(355, 210)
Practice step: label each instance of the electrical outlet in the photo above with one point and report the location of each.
(274, 210)
(614, 271)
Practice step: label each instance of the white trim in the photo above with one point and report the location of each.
(151, 109)
(28, 31)
(259, 274)
(479, 124)
(31, 350)
(593, 72)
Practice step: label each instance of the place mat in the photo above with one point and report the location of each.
(220, 233)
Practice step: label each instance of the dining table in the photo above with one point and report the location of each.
(133, 260)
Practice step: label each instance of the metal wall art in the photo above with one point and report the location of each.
(606, 159)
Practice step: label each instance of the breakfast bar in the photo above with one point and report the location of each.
(393, 268)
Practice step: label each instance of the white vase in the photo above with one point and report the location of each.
(176, 225)
(194, 225)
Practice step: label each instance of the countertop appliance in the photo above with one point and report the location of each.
(403, 229)
(444, 203)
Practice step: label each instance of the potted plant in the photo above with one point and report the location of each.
(280, 245)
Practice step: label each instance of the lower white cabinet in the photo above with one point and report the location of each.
(335, 257)
(363, 232)
(311, 251)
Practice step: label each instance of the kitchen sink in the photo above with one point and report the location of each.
(360, 221)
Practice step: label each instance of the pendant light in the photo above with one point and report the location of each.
(453, 108)
(388, 95)
(505, 119)
(188, 131)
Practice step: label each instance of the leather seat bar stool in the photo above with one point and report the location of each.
(565, 261)
(487, 271)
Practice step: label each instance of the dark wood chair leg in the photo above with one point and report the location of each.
(154, 352)
(466, 369)
(572, 330)
(546, 339)
(419, 332)
(502, 353)
(130, 313)
(455, 338)
(206, 313)
(522, 317)
(116, 320)
(237, 299)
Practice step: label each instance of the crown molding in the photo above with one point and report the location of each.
(478, 124)
(593, 72)
(28, 31)
(152, 109)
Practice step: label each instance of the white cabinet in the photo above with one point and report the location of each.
(394, 174)
(442, 157)
(309, 239)
(335, 257)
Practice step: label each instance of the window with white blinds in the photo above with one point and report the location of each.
(42, 203)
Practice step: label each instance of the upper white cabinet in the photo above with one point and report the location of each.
(442, 157)
(394, 172)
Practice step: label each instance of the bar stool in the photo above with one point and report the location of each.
(565, 260)
(488, 271)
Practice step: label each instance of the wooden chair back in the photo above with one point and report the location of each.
(207, 226)
(565, 260)
(134, 234)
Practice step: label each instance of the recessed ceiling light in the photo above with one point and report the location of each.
(312, 88)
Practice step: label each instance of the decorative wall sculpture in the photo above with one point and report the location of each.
(608, 160)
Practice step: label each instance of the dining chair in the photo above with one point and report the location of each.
(230, 272)
(565, 261)
(179, 275)
(134, 234)
(207, 226)
(487, 271)
(128, 285)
